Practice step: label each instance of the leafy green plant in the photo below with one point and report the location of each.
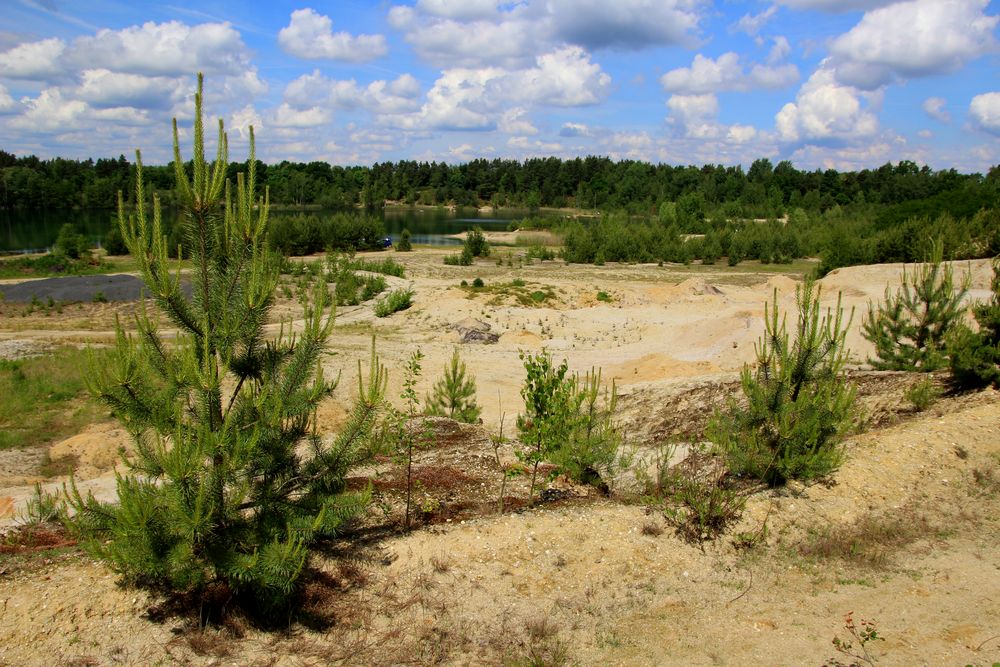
(396, 300)
(70, 242)
(548, 411)
(478, 282)
(922, 394)
(798, 403)
(909, 328)
(568, 421)
(99, 297)
(220, 490)
(865, 635)
(975, 355)
(454, 395)
(605, 297)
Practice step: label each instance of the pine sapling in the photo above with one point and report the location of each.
(229, 482)
(910, 327)
(454, 395)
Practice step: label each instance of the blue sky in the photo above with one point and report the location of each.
(845, 84)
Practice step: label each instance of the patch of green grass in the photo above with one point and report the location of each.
(604, 296)
(524, 293)
(44, 399)
(396, 300)
(51, 265)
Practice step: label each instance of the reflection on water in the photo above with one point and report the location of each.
(37, 230)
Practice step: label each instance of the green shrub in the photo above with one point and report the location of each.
(922, 394)
(700, 509)
(404, 244)
(974, 356)
(220, 491)
(798, 403)
(397, 300)
(114, 244)
(478, 282)
(71, 243)
(454, 395)
(567, 421)
(910, 327)
(463, 258)
(476, 244)
(604, 296)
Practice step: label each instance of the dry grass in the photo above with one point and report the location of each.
(871, 540)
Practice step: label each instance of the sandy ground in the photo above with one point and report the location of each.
(580, 580)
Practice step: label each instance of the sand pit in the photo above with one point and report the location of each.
(611, 580)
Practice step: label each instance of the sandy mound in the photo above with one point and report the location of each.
(93, 452)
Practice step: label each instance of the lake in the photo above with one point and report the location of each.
(22, 231)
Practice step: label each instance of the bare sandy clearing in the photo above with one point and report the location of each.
(582, 577)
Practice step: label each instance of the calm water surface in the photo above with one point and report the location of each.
(37, 230)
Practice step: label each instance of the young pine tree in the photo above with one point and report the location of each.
(909, 328)
(454, 395)
(798, 404)
(975, 355)
(220, 489)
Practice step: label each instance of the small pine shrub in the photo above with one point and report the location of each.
(397, 300)
(974, 356)
(910, 327)
(478, 282)
(454, 395)
(221, 490)
(463, 258)
(922, 394)
(404, 244)
(798, 403)
(476, 244)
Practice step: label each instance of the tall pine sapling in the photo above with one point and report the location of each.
(975, 355)
(454, 395)
(910, 327)
(229, 482)
(798, 402)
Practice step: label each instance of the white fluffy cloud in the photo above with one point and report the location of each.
(934, 107)
(287, 116)
(726, 72)
(310, 35)
(624, 24)
(751, 24)
(512, 34)
(911, 39)
(984, 110)
(7, 103)
(514, 121)
(836, 6)
(482, 98)
(447, 42)
(695, 114)
(825, 109)
(103, 88)
(459, 9)
(564, 78)
(33, 60)
(163, 49)
(379, 97)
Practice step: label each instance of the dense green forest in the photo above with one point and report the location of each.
(651, 212)
(762, 191)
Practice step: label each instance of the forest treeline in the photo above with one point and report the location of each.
(764, 190)
(651, 212)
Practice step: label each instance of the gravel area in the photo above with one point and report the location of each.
(71, 289)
